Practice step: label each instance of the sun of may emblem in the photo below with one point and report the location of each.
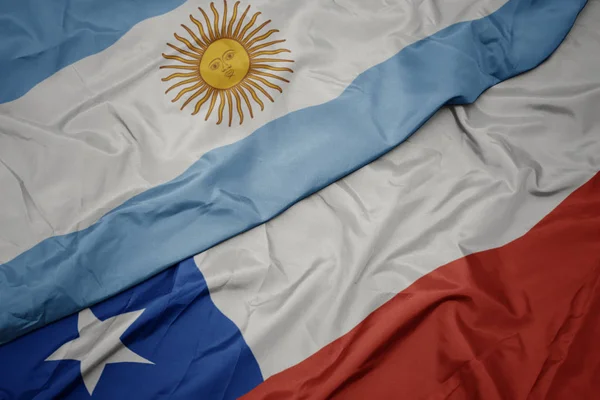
(227, 60)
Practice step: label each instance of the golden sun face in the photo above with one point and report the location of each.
(225, 64)
(227, 61)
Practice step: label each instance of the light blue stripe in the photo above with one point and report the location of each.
(40, 37)
(234, 188)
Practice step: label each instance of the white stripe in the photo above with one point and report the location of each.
(473, 178)
(101, 131)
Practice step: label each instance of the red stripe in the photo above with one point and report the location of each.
(520, 321)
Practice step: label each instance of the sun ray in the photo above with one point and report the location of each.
(198, 24)
(221, 107)
(211, 35)
(215, 19)
(198, 85)
(271, 68)
(239, 24)
(246, 100)
(213, 100)
(272, 60)
(254, 32)
(229, 105)
(179, 75)
(181, 83)
(185, 52)
(188, 67)
(193, 96)
(224, 24)
(189, 44)
(202, 101)
(265, 82)
(254, 95)
(196, 38)
(268, 75)
(232, 20)
(262, 90)
(238, 106)
(180, 59)
(253, 79)
(252, 50)
(249, 24)
(269, 53)
(260, 38)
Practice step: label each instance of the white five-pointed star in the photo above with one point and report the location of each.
(99, 343)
